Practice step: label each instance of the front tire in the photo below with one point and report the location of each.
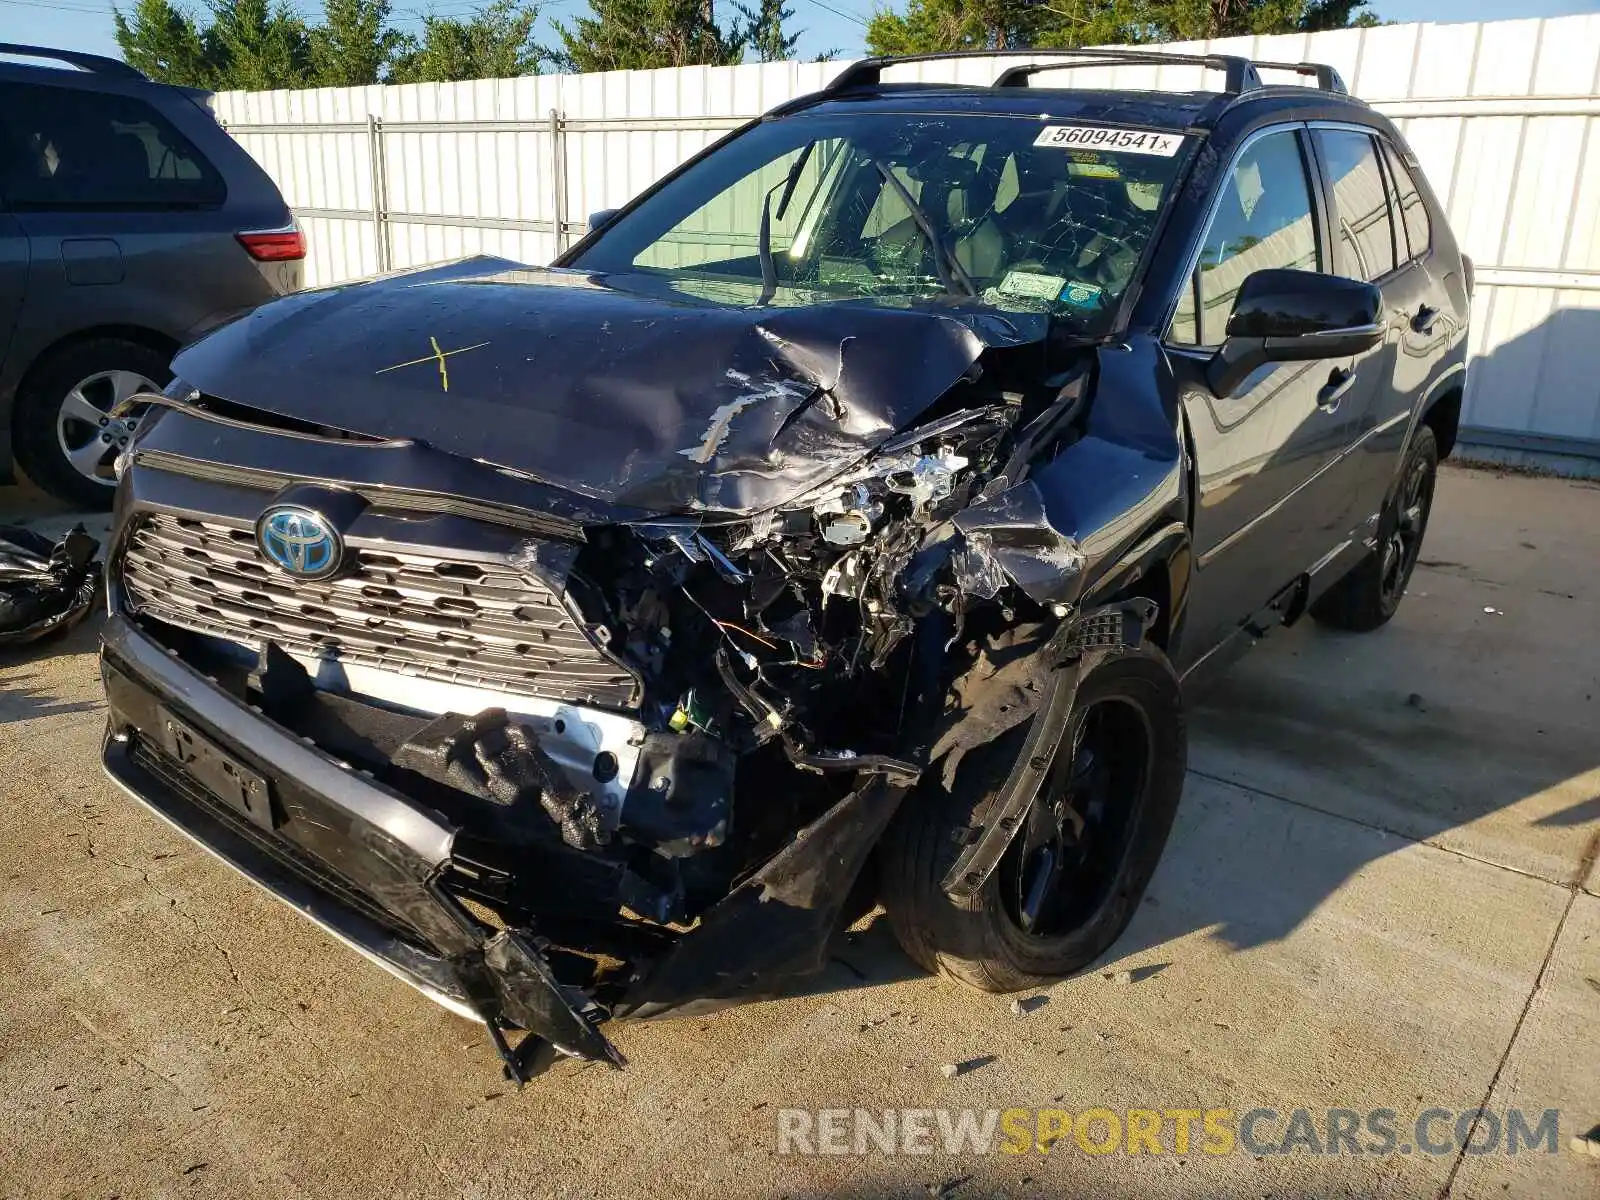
(1370, 594)
(1072, 878)
(66, 437)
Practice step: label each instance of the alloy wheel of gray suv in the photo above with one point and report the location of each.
(67, 437)
(87, 433)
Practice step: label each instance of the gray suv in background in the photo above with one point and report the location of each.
(130, 224)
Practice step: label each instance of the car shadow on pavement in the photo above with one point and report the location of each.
(864, 956)
(1321, 753)
(22, 696)
(1578, 814)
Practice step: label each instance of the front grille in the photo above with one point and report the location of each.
(481, 624)
(285, 854)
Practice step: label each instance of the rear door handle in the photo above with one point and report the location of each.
(1422, 322)
(1340, 381)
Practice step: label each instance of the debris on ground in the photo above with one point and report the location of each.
(1120, 976)
(1023, 1005)
(951, 1070)
(44, 586)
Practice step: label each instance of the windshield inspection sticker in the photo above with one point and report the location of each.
(1087, 163)
(1082, 295)
(1031, 285)
(1123, 141)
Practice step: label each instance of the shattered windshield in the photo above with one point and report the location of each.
(1022, 213)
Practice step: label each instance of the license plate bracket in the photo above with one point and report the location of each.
(224, 776)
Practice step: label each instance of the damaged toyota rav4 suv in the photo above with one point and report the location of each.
(833, 523)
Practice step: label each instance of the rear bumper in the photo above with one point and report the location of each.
(360, 860)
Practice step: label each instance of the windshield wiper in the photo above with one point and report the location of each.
(943, 260)
(769, 268)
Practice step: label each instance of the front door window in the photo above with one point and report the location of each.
(1263, 219)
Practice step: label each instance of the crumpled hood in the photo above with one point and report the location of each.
(613, 387)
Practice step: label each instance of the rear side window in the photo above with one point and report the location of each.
(1364, 245)
(1263, 219)
(67, 149)
(1415, 228)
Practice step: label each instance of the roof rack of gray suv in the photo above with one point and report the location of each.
(98, 64)
(1240, 74)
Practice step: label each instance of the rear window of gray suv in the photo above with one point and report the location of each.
(70, 149)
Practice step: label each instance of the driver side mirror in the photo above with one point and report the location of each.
(1292, 316)
(601, 217)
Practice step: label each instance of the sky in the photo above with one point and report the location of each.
(837, 25)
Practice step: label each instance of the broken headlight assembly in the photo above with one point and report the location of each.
(773, 631)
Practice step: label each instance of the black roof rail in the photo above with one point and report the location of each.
(1328, 79)
(1240, 74)
(97, 63)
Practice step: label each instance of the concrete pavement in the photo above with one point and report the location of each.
(1381, 892)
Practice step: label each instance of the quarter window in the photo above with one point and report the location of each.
(1414, 213)
(70, 149)
(1263, 219)
(1364, 246)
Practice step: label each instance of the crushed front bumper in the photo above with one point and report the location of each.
(357, 858)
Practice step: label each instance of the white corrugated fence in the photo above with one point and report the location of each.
(1504, 115)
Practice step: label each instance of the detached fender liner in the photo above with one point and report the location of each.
(772, 929)
(355, 857)
(1081, 641)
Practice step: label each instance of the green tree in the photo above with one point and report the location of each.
(933, 25)
(1338, 14)
(355, 44)
(764, 30)
(1068, 23)
(632, 35)
(1228, 18)
(164, 43)
(496, 42)
(262, 46)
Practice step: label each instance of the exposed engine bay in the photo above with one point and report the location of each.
(770, 658)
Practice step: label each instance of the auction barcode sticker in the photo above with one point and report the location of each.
(1125, 141)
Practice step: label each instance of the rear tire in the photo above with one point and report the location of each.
(66, 440)
(1371, 592)
(982, 941)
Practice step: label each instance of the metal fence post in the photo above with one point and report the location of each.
(558, 175)
(380, 191)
